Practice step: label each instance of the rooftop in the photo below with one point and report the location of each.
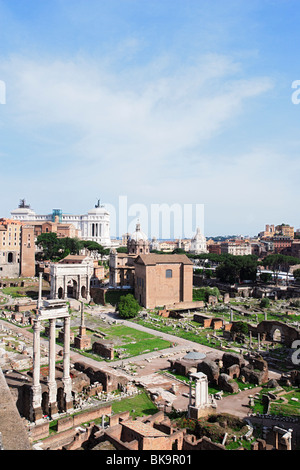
(153, 258)
(143, 429)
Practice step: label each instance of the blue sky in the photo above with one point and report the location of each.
(165, 102)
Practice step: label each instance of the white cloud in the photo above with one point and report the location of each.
(125, 131)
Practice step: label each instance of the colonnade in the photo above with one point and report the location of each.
(50, 310)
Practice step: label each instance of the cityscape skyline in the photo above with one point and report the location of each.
(173, 103)
(160, 221)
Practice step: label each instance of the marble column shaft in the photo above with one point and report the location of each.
(51, 378)
(36, 388)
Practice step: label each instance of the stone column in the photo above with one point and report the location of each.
(88, 295)
(39, 303)
(36, 389)
(201, 392)
(65, 293)
(79, 285)
(190, 398)
(66, 366)
(52, 387)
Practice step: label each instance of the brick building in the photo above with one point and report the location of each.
(281, 230)
(17, 249)
(163, 280)
(62, 230)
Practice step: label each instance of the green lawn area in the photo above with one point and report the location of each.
(134, 341)
(28, 291)
(140, 405)
(284, 405)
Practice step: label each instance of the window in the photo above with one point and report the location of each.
(169, 273)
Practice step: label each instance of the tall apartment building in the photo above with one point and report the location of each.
(17, 249)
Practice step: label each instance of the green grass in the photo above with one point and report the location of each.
(133, 342)
(140, 405)
(279, 406)
(150, 344)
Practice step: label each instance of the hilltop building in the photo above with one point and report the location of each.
(95, 225)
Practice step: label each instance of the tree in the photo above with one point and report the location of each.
(241, 327)
(50, 245)
(203, 293)
(128, 307)
(179, 251)
(57, 248)
(122, 249)
(266, 277)
(237, 269)
(265, 302)
(296, 274)
(279, 262)
(94, 246)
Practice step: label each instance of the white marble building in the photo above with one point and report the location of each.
(95, 225)
(198, 243)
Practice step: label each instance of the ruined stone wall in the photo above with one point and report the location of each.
(190, 443)
(104, 349)
(12, 428)
(109, 381)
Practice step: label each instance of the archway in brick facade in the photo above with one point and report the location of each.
(277, 336)
(274, 330)
(72, 287)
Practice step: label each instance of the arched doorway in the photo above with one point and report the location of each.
(10, 257)
(277, 336)
(72, 289)
(83, 292)
(60, 293)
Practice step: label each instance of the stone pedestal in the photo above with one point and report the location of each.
(82, 342)
(196, 413)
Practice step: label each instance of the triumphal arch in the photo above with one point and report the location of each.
(71, 277)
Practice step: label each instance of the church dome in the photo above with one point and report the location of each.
(198, 243)
(198, 236)
(138, 235)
